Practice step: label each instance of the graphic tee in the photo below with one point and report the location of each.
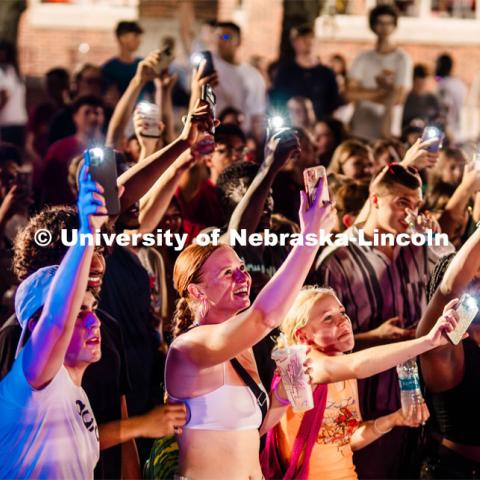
(49, 433)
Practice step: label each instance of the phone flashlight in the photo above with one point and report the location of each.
(276, 123)
(96, 156)
(431, 132)
(196, 59)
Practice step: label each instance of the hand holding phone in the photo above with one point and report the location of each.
(312, 178)
(103, 169)
(208, 95)
(206, 56)
(166, 58)
(467, 310)
(430, 132)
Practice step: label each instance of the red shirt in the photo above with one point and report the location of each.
(202, 211)
(55, 188)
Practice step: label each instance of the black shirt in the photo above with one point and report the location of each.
(317, 83)
(126, 296)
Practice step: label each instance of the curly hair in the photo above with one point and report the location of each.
(238, 174)
(28, 257)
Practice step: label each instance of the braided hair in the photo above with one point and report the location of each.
(438, 274)
(187, 270)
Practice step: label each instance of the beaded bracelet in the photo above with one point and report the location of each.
(282, 401)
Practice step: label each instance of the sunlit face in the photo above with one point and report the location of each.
(329, 329)
(358, 167)
(85, 345)
(225, 282)
(391, 208)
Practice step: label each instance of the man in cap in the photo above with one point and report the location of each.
(47, 428)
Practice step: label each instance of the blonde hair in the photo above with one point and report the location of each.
(298, 315)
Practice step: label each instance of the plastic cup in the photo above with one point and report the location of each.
(290, 362)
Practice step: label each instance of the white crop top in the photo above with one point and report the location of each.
(227, 408)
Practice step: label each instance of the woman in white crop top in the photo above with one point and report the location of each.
(221, 438)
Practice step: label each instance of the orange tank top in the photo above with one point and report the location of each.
(331, 457)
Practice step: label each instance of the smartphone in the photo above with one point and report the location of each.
(208, 96)
(103, 169)
(166, 59)
(430, 132)
(209, 67)
(311, 177)
(476, 159)
(151, 116)
(467, 309)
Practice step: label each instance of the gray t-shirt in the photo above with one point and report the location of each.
(367, 117)
(49, 433)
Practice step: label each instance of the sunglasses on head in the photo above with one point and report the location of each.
(395, 167)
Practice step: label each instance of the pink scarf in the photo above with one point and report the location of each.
(297, 467)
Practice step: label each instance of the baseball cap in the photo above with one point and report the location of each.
(31, 295)
(127, 27)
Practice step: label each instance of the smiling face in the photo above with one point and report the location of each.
(390, 208)
(328, 328)
(225, 284)
(84, 347)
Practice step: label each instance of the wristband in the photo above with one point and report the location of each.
(282, 401)
(377, 430)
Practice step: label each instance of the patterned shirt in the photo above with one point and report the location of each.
(374, 288)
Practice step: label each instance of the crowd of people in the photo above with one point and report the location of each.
(135, 361)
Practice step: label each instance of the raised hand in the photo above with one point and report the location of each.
(319, 216)
(197, 123)
(446, 323)
(90, 203)
(419, 157)
(281, 147)
(390, 330)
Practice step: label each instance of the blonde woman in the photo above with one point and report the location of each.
(334, 428)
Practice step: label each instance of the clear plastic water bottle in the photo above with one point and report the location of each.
(410, 393)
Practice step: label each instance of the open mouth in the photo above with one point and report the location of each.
(241, 292)
(95, 280)
(93, 341)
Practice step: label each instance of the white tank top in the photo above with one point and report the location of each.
(227, 408)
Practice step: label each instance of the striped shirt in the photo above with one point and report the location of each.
(374, 288)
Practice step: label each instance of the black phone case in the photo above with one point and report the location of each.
(209, 68)
(105, 173)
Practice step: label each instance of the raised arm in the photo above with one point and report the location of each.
(443, 367)
(155, 203)
(213, 344)
(248, 212)
(363, 364)
(124, 108)
(44, 353)
(138, 179)
(454, 212)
